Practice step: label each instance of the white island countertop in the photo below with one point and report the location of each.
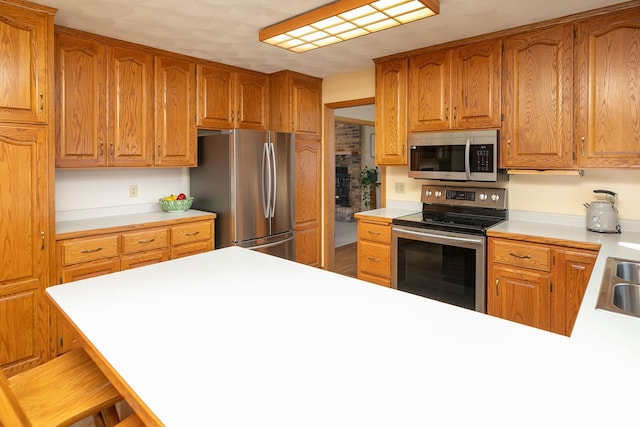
(238, 338)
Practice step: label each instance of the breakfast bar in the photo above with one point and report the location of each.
(238, 338)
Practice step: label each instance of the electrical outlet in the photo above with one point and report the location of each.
(399, 187)
(133, 191)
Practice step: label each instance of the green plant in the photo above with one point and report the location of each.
(368, 180)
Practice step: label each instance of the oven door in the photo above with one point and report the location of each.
(441, 265)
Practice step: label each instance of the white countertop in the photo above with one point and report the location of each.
(72, 226)
(387, 213)
(283, 344)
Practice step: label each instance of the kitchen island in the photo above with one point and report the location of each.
(238, 338)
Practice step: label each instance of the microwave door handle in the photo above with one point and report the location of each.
(467, 160)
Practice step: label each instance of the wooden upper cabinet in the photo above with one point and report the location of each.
(130, 94)
(296, 104)
(104, 104)
(608, 118)
(81, 103)
(475, 88)
(175, 85)
(537, 131)
(455, 88)
(24, 38)
(429, 91)
(391, 112)
(230, 98)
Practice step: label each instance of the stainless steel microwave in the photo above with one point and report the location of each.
(454, 156)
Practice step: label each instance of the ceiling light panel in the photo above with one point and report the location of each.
(344, 20)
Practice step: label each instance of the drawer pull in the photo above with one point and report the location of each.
(519, 256)
(374, 233)
(91, 251)
(192, 234)
(374, 259)
(146, 241)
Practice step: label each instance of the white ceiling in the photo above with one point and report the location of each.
(226, 31)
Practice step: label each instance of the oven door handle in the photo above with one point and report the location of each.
(438, 236)
(467, 159)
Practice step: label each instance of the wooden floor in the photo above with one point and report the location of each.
(345, 260)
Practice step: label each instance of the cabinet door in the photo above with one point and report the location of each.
(391, 112)
(131, 128)
(537, 99)
(522, 296)
(572, 273)
(215, 97)
(307, 106)
(475, 85)
(81, 113)
(24, 253)
(23, 49)
(608, 126)
(176, 140)
(429, 91)
(309, 202)
(252, 100)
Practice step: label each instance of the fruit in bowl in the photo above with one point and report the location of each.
(173, 203)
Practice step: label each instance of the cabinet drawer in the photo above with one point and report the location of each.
(81, 250)
(140, 260)
(527, 255)
(192, 232)
(144, 240)
(191, 249)
(374, 258)
(89, 269)
(374, 232)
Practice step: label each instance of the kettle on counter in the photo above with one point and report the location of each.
(602, 215)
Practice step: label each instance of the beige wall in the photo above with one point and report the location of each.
(548, 194)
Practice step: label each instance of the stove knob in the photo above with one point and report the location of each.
(428, 193)
(495, 197)
(438, 193)
(483, 196)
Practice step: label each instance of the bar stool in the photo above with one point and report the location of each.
(58, 393)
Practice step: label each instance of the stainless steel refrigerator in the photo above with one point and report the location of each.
(247, 178)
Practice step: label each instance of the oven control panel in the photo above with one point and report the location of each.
(495, 198)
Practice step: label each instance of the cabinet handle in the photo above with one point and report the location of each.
(446, 114)
(111, 149)
(497, 287)
(42, 235)
(146, 241)
(374, 233)
(582, 146)
(41, 102)
(101, 144)
(159, 150)
(373, 259)
(91, 251)
(519, 256)
(192, 234)
(508, 147)
(455, 113)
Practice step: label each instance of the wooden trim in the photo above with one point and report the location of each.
(354, 121)
(31, 6)
(545, 240)
(515, 30)
(329, 174)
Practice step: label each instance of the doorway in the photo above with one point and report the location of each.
(360, 114)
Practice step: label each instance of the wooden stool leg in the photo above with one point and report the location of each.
(107, 417)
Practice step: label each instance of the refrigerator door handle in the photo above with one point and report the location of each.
(266, 180)
(273, 183)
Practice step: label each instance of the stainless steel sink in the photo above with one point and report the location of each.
(620, 288)
(628, 271)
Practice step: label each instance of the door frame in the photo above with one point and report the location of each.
(330, 175)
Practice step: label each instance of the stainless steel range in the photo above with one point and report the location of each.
(440, 253)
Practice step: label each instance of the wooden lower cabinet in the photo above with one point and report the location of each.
(374, 249)
(537, 283)
(97, 252)
(309, 202)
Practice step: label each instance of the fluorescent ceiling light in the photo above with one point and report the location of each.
(344, 20)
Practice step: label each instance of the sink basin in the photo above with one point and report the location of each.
(626, 296)
(620, 288)
(628, 271)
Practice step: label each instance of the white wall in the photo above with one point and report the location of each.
(104, 192)
(535, 193)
